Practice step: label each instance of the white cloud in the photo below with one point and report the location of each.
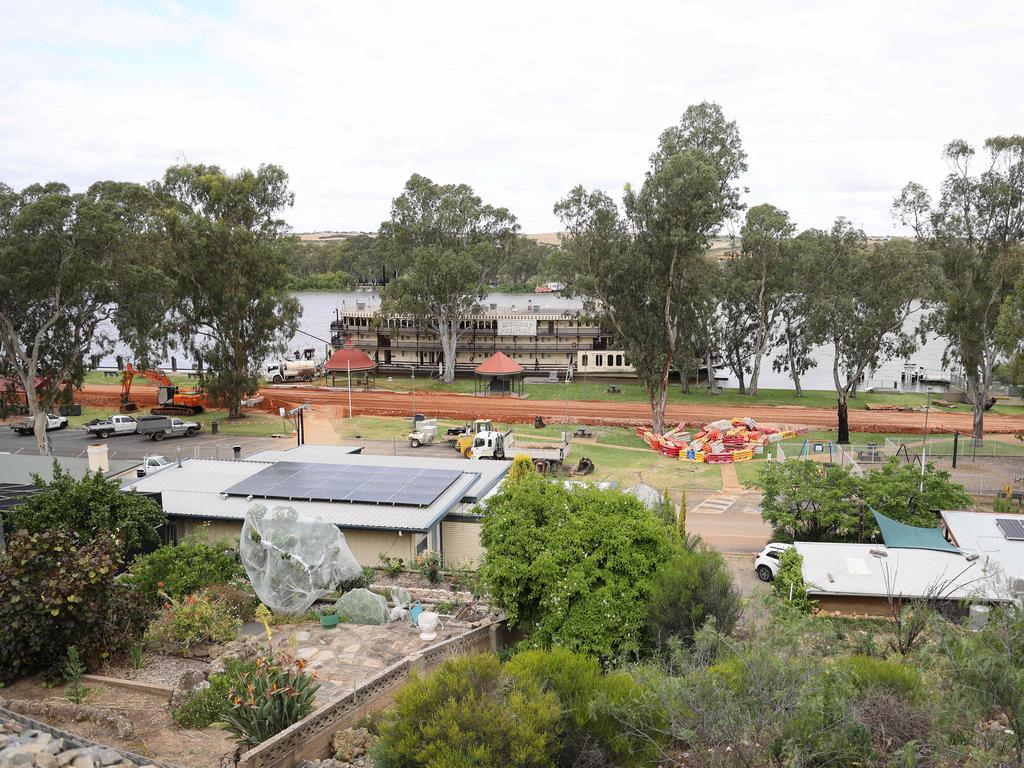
(838, 103)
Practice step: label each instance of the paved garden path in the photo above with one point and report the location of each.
(348, 655)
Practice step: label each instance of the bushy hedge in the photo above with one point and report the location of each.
(870, 674)
(178, 571)
(573, 567)
(58, 589)
(789, 581)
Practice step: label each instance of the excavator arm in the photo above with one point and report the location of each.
(169, 400)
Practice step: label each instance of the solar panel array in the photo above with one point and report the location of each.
(1012, 529)
(354, 483)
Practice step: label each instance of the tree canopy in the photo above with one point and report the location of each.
(88, 507)
(974, 230)
(449, 246)
(227, 263)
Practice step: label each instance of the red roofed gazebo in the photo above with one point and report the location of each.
(349, 359)
(498, 374)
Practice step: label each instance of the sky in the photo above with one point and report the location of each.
(839, 104)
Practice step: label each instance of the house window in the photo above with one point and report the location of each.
(421, 544)
(598, 360)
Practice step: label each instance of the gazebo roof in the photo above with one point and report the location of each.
(350, 359)
(498, 364)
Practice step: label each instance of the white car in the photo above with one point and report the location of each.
(27, 426)
(767, 561)
(153, 464)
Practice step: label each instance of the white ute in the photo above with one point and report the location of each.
(27, 426)
(115, 425)
(767, 561)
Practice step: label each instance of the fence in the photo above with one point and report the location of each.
(310, 739)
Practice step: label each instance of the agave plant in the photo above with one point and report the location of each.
(266, 699)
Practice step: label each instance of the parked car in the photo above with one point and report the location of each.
(27, 425)
(767, 561)
(159, 427)
(152, 464)
(114, 425)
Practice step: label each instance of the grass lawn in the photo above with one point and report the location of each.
(630, 467)
(592, 389)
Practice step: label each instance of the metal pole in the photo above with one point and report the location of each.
(956, 440)
(414, 393)
(348, 367)
(924, 445)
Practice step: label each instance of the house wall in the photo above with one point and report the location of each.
(852, 605)
(460, 543)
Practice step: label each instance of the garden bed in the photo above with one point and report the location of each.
(101, 718)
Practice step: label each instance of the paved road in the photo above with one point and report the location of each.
(730, 522)
(73, 442)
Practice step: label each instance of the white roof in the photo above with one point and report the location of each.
(650, 497)
(977, 532)
(197, 489)
(313, 453)
(852, 570)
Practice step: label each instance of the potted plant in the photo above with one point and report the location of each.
(329, 617)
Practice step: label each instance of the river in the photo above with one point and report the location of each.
(319, 310)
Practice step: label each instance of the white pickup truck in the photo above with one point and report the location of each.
(115, 425)
(27, 425)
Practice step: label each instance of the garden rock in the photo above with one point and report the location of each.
(351, 743)
(188, 683)
(22, 747)
(293, 562)
(361, 606)
(401, 596)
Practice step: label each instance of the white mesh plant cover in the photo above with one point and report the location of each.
(290, 561)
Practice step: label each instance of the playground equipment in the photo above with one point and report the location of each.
(721, 442)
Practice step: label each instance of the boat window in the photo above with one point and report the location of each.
(585, 360)
(598, 360)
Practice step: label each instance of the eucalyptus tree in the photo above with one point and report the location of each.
(860, 300)
(975, 230)
(633, 266)
(228, 265)
(449, 246)
(72, 263)
(761, 272)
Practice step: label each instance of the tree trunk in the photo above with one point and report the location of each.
(755, 372)
(737, 368)
(712, 383)
(38, 412)
(658, 397)
(844, 423)
(448, 346)
(793, 372)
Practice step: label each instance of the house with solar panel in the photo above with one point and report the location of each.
(997, 539)
(912, 564)
(399, 506)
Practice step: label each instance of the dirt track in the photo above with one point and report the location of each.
(513, 410)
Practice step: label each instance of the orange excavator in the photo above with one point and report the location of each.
(171, 401)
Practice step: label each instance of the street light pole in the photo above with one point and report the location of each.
(924, 445)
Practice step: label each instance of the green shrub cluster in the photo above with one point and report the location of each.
(271, 695)
(789, 581)
(870, 674)
(209, 705)
(184, 569)
(192, 620)
(58, 590)
(573, 567)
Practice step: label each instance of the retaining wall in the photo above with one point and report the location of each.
(310, 739)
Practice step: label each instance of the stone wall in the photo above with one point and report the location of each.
(310, 739)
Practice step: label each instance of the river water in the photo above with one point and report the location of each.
(319, 310)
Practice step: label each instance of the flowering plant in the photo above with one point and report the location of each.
(428, 563)
(268, 698)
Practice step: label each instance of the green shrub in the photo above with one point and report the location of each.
(76, 691)
(392, 565)
(56, 590)
(184, 569)
(209, 705)
(89, 506)
(362, 581)
(191, 620)
(592, 704)
(464, 715)
(239, 598)
(428, 563)
(690, 588)
(268, 697)
(572, 567)
(789, 581)
(867, 673)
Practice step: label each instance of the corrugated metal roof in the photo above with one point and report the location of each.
(204, 504)
(196, 489)
(313, 453)
(19, 468)
(852, 569)
(977, 532)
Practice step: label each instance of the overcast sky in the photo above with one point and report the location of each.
(838, 104)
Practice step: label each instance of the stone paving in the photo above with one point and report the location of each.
(349, 654)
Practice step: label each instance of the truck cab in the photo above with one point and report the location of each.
(464, 443)
(490, 445)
